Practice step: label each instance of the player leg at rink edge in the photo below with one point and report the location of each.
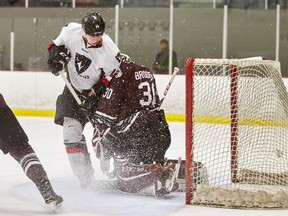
(70, 116)
(13, 140)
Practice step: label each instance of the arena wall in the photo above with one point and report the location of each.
(196, 32)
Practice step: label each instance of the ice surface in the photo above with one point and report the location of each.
(19, 197)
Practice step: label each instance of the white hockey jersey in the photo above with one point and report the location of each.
(86, 62)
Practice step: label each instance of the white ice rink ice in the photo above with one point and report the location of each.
(19, 196)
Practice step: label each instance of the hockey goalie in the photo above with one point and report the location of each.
(131, 130)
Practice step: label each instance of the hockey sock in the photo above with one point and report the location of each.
(29, 162)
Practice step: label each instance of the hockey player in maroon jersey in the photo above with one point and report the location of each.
(13, 140)
(131, 129)
(89, 56)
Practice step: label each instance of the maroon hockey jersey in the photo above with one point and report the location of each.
(131, 90)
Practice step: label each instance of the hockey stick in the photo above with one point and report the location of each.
(253, 58)
(176, 70)
(175, 175)
(76, 97)
(71, 89)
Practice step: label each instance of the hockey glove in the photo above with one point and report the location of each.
(59, 57)
(90, 104)
(89, 107)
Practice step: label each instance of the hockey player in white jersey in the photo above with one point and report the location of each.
(90, 57)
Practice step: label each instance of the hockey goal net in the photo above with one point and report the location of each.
(236, 134)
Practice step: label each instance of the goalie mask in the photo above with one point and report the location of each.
(93, 24)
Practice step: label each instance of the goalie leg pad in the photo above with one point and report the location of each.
(133, 178)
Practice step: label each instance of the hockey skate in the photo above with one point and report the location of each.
(50, 197)
(168, 181)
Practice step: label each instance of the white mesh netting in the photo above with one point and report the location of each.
(240, 133)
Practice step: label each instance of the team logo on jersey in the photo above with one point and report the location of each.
(81, 63)
(118, 57)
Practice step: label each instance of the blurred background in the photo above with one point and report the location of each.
(254, 28)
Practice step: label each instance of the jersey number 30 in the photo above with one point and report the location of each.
(149, 97)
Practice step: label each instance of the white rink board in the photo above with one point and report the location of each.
(39, 90)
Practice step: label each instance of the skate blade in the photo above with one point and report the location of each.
(54, 206)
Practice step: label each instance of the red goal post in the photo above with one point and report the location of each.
(236, 122)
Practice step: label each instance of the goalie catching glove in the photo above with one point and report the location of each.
(59, 57)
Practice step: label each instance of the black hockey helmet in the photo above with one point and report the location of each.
(93, 24)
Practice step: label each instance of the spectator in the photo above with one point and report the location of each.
(285, 3)
(161, 63)
(12, 3)
(247, 4)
